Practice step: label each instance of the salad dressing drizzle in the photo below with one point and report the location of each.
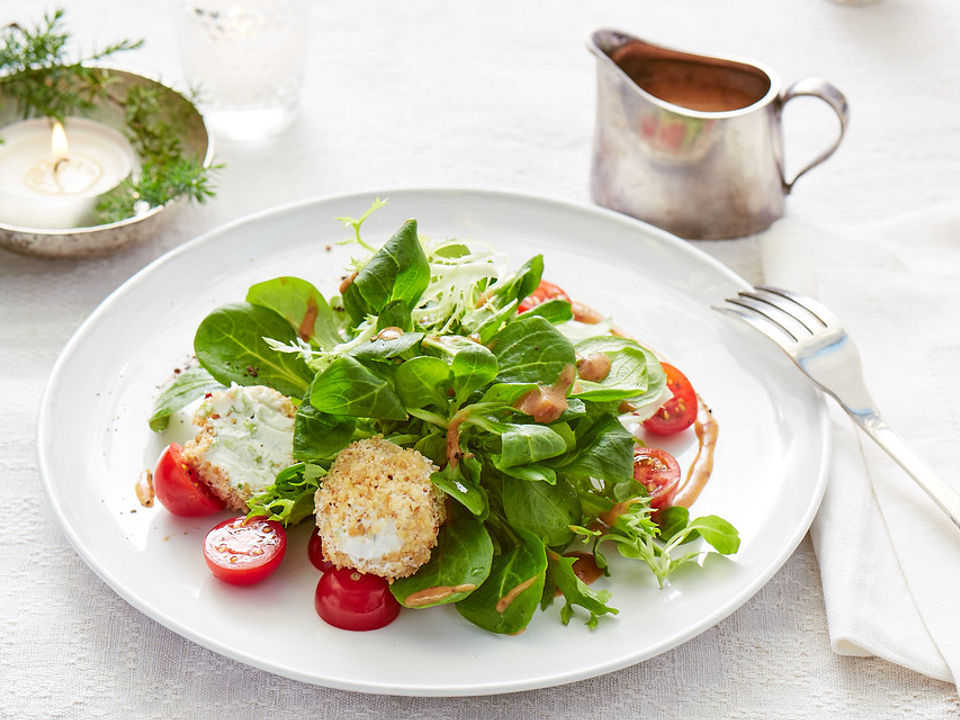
(548, 402)
(347, 281)
(585, 566)
(431, 595)
(504, 602)
(389, 333)
(144, 488)
(706, 429)
(309, 318)
(453, 440)
(594, 368)
(609, 518)
(585, 313)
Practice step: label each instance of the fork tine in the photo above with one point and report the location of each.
(807, 322)
(765, 324)
(786, 322)
(814, 307)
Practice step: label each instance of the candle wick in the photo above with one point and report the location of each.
(56, 173)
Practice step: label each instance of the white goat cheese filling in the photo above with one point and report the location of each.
(253, 437)
(378, 542)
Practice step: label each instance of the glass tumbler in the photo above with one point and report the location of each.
(245, 59)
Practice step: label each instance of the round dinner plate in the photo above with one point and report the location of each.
(93, 443)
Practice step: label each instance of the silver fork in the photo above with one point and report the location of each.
(813, 338)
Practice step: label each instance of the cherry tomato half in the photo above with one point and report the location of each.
(178, 489)
(545, 291)
(352, 600)
(243, 551)
(659, 472)
(677, 413)
(315, 553)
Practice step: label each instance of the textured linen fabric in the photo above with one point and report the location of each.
(891, 569)
(491, 94)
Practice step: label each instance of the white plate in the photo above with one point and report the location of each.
(93, 442)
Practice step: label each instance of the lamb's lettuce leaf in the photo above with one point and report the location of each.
(187, 386)
(458, 565)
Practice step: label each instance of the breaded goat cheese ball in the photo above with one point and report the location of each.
(377, 511)
(245, 438)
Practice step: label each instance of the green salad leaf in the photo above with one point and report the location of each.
(526, 443)
(397, 272)
(458, 565)
(185, 387)
(531, 349)
(348, 387)
(455, 483)
(507, 600)
(290, 499)
(423, 381)
(547, 510)
(319, 436)
(302, 305)
(635, 374)
(230, 344)
(562, 578)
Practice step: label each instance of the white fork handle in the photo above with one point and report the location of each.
(941, 493)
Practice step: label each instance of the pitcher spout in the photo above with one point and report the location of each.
(683, 82)
(605, 42)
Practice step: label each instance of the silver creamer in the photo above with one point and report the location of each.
(690, 143)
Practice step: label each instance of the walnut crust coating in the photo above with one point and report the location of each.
(377, 510)
(216, 478)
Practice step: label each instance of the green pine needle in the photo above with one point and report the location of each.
(37, 74)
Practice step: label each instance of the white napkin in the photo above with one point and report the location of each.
(889, 558)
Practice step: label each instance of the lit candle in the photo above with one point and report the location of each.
(51, 175)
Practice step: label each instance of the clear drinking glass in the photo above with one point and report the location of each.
(246, 60)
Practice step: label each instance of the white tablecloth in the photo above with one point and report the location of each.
(495, 94)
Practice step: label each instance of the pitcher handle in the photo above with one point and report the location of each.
(818, 88)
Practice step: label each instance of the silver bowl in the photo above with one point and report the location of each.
(103, 239)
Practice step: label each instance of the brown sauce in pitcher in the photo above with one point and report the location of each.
(688, 92)
(695, 83)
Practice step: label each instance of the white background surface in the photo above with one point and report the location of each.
(490, 94)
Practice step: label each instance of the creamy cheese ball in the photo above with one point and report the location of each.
(377, 511)
(245, 438)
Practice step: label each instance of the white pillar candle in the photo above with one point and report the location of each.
(44, 185)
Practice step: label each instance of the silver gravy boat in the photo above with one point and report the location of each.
(690, 143)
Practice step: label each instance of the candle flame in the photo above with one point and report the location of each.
(58, 142)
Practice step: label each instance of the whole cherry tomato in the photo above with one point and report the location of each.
(243, 551)
(315, 553)
(352, 600)
(677, 413)
(178, 489)
(545, 291)
(659, 472)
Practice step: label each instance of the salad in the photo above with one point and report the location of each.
(457, 432)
